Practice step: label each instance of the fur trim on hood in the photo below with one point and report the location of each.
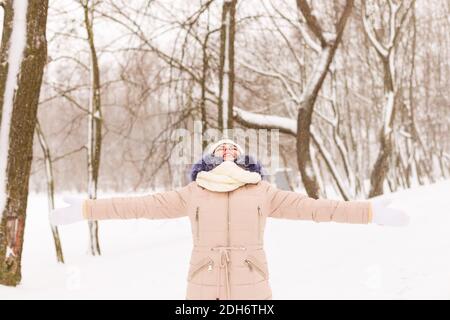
(209, 162)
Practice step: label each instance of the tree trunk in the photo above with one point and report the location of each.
(204, 79)
(381, 166)
(94, 126)
(50, 189)
(22, 59)
(309, 97)
(387, 54)
(226, 70)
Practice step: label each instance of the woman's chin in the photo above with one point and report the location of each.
(228, 158)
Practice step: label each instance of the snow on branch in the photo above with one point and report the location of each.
(262, 121)
(309, 41)
(289, 126)
(393, 9)
(371, 34)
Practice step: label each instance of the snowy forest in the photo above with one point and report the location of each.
(92, 92)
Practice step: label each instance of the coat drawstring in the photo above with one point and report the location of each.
(224, 264)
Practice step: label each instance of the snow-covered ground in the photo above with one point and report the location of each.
(148, 259)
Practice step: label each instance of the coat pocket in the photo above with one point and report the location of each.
(208, 264)
(254, 265)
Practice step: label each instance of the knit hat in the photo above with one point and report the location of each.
(213, 147)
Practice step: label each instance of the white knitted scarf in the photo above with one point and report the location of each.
(227, 176)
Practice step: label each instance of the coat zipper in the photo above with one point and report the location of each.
(210, 265)
(197, 222)
(259, 223)
(228, 218)
(228, 232)
(251, 264)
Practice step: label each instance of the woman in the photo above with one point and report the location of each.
(228, 204)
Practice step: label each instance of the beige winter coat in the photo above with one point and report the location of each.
(228, 260)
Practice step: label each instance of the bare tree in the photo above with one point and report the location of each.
(94, 123)
(50, 188)
(386, 52)
(325, 44)
(23, 57)
(226, 70)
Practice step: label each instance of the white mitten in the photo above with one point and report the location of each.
(67, 215)
(383, 215)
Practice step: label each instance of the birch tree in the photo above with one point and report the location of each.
(94, 123)
(23, 57)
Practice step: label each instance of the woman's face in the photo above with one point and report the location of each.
(228, 152)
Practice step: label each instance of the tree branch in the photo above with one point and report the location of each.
(311, 21)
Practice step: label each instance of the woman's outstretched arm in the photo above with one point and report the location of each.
(294, 205)
(163, 205)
